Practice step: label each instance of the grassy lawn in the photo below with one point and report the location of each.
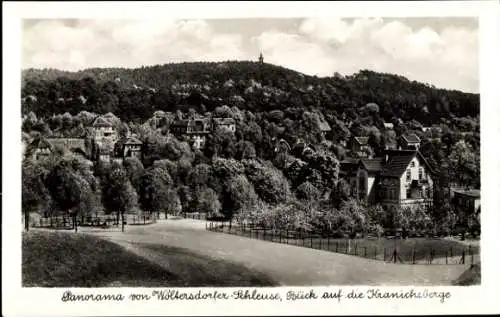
(376, 248)
(59, 259)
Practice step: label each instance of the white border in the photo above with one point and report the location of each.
(37, 302)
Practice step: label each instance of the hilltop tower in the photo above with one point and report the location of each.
(261, 58)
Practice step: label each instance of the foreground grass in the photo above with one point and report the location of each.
(60, 259)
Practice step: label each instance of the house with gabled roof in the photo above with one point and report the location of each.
(194, 131)
(399, 178)
(103, 128)
(226, 124)
(43, 147)
(406, 179)
(359, 144)
(410, 141)
(129, 146)
(366, 175)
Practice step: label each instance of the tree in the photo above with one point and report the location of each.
(308, 193)
(118, 195)
(206, 201)
(221, 143)
(156, 190)
(200, 175)
(465, 163)
(341, 193)
(240, 196)
(135, 171)
(356, 211)
(34, 192)
(270, 183)
(64, 186)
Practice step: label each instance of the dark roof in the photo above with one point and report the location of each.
(374, 164)
(398, 160)
(350, 160)
(132, 140)
(180, 123)
(69, 143)
(362, 140)
(411, 138)
(102, 122)
(396, 165)
(189, 122)
(348, 165)
(224, 121)
(476, 193)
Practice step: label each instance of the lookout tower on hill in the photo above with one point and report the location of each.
(261, 58)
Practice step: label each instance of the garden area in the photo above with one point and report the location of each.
(398, 235)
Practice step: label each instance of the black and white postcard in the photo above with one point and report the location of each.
(250, 158)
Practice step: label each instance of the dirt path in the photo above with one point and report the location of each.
(289, 265)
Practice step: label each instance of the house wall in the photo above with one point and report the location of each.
(371, 187)
(477, 204)
(413, 172)
(362, 175)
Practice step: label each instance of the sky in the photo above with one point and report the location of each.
(439, 51)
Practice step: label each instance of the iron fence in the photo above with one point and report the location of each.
(113, 222)
(423, 250)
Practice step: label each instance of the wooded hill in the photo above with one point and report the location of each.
(134, 94)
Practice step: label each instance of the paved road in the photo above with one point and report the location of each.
(289, 265)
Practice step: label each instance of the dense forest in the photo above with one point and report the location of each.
(244, 172)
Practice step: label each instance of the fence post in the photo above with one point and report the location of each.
(385, 252)
(463, 257)
(287, 236)
(311, 241)
(365, 252)
(395, 255)
(446, 257)
(303, 240)
(264, 233)
(328, 243)
(280, 235)
(356, 249)
(74, 221)
(413, 256)
(123, 221)
(336, 247)
(320, 240)
(144, 217)
(471, 255)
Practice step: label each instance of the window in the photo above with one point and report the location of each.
(420, 173)
(408, 174)
(412, 164)
(408, 193)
